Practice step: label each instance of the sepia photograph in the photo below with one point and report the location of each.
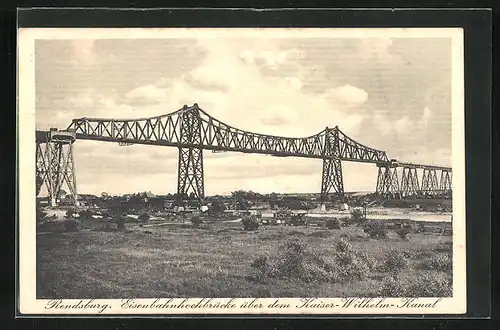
(271, 170)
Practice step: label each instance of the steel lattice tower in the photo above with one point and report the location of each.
(445, 183)
(55, 165)
(409, 182)
(331, 179)
(190, 167)
(387, 181)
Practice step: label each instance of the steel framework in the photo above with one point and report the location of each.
(192, 130)
(387, 181)
(409, 182)
(416, 181)
(55, 164)
(190, 169)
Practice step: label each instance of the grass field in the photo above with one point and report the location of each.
(216, 261)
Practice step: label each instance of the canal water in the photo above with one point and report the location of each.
(414, 216)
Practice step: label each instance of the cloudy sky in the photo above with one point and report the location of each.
(389, 94)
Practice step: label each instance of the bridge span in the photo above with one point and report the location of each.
(192, 130)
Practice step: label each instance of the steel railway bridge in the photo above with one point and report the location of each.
(192, 130)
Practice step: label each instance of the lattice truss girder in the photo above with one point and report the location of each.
(191, 130)
(216, 135)
(414, 182)
(55, 169)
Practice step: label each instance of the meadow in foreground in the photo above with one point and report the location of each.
(222, 260)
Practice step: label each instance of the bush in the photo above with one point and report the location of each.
(333, 224)
(250, 223)
(426, 285)
(196, 220)
(403, 232)
(298, 220)
(430, 284)
(395, 261)
(70, 225)
(144, 217)
(351, 264)
(343, 246)
(357, 216)
(392, 287)
(375, 229)
(294, 261)
(440, 262)
(403, 229)
(259, 262)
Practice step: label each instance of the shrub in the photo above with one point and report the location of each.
(403, 232)
(350, 263)
(440, 262)
(298, 220)
(395, 261)
(343, 246)
(375, 229)
(357, 216)
(333, 224)
(259, 262)
(196, 220)
(250, 223)
(70, 225)
(293, 262)
(143, 217)
(392, 287)
(430, 284)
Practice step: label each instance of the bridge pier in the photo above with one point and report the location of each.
(409, 182)
(430, 183)
(331, 181)
(445, 182)
(55, 164)
(387, 181)
(190, 167)
(190, 173)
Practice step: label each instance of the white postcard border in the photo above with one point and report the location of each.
(28, 304)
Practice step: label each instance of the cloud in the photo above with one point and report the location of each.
(348, 95)
(145, 95)
(402, 125)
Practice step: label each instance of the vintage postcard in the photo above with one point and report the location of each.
(241, 171)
